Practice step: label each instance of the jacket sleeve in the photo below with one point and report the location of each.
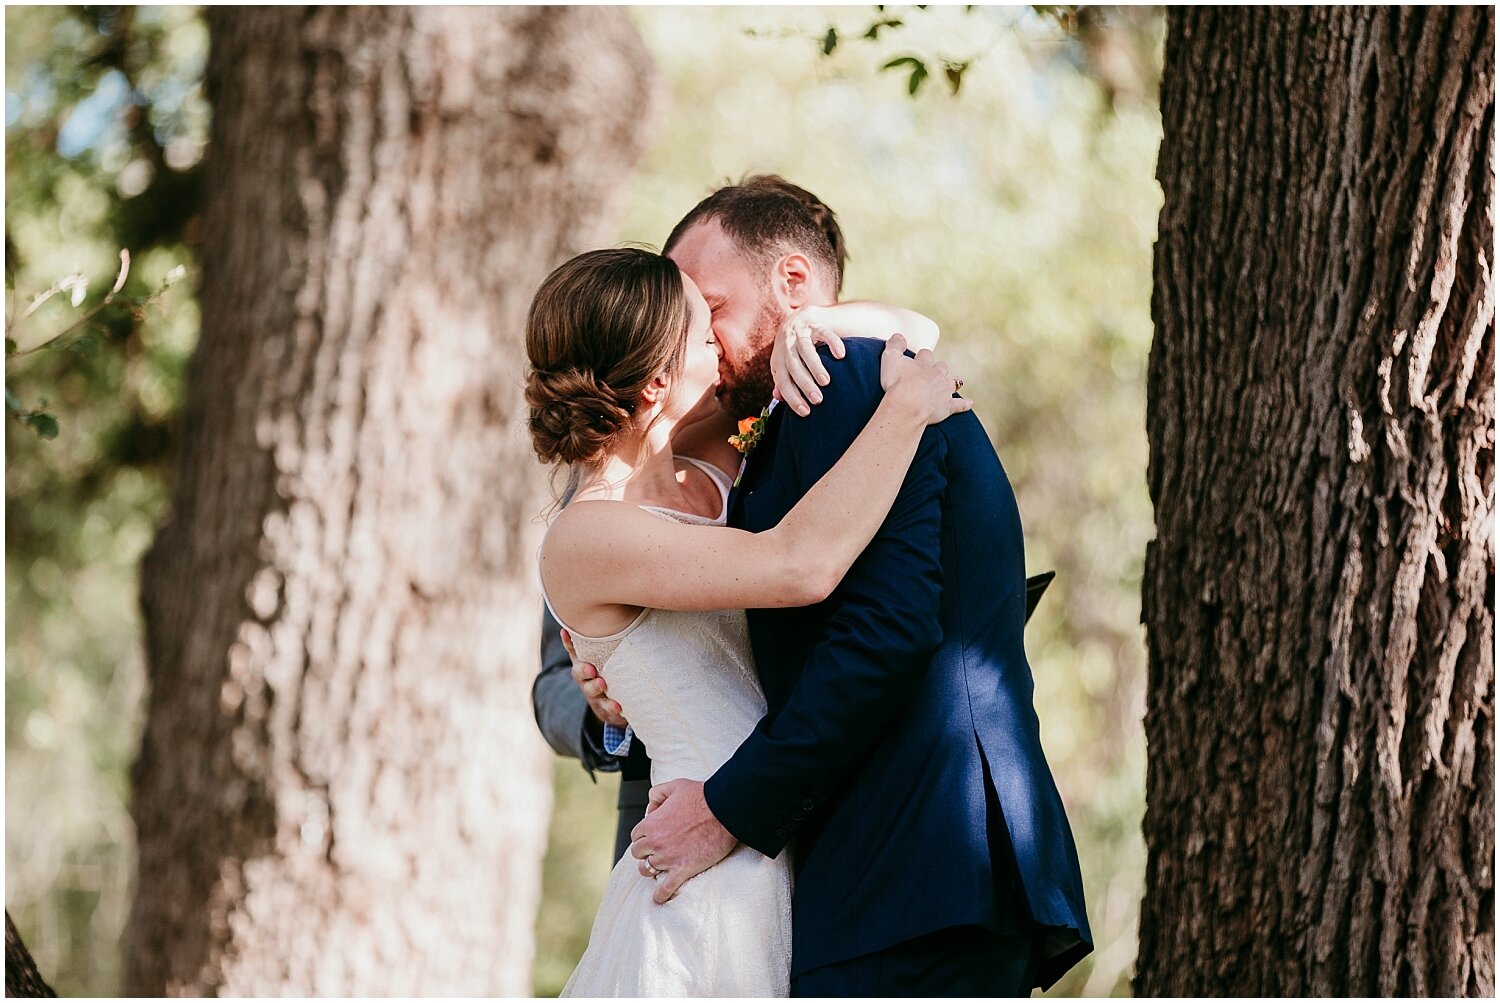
(560, 709)
(880, 636)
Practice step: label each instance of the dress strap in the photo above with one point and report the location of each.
(720, 478)
(721, 481)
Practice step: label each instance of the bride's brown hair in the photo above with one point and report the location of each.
(600, 328)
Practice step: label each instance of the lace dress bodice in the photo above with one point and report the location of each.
(686, 682)
(687, 685)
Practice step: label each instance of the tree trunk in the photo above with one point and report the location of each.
(1319, 597)
(21, 975)
(340, 788)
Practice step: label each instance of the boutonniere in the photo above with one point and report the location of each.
(751, 429)
(750, 432)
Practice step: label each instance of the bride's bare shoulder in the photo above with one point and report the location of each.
(593, 525)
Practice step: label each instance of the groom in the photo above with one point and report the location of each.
(899, 758)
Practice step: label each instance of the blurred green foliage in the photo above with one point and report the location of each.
(104, 126)
(1018, 213)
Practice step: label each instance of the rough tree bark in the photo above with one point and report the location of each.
(340, 790)
(1319, 600)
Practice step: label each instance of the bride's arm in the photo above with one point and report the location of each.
(868, 319)
(795, 365)
(608, 554)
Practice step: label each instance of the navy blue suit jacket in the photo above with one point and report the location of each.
(893, 702)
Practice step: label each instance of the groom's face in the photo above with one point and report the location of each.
(744, 313)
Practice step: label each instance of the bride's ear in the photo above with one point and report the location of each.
(657, 391)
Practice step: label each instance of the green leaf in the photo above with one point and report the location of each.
(86, 345)
(917, 76)
(12, 404)
(873, 32)
(918, 71)
(44, 424)
(10, 346)
(830, 41)
(902, 61)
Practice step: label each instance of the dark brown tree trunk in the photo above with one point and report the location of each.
(340, 789)
(1319, 596)
(21, 975)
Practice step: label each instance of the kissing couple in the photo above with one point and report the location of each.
(790, 559)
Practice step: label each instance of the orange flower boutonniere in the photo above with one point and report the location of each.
(751, 429)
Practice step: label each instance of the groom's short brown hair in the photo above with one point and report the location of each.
(767, 216)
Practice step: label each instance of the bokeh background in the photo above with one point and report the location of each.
(1019, 212)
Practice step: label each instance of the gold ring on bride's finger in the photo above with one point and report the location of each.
(651, 867)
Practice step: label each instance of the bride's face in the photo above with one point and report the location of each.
(695, 387)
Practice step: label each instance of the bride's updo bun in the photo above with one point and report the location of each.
(574, 418)
(601, 327)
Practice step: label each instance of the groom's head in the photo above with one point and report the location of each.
(757, 250)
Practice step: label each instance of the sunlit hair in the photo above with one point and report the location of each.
(767, 216)
(600, 328)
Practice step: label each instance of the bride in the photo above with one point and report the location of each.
(652, 585)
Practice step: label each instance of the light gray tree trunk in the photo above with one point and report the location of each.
(340, 789)
(1319, 596)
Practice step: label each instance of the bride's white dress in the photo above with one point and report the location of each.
(687, 684)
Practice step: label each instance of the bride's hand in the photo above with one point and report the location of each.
(795, 365)
(921, 381)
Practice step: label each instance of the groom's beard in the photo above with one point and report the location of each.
(747, 384)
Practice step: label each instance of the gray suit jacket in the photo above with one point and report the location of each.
(572, 730)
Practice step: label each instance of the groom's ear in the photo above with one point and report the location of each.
(793, 281)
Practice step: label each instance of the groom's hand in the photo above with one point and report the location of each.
(594, 689)
(678, 838)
